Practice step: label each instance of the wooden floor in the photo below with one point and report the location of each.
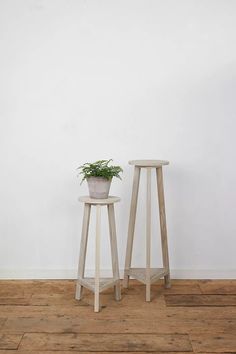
(192, 316)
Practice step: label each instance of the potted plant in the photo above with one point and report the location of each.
(99, 175)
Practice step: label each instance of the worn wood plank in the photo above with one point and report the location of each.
(75, 351)
(10, 341)
(158, 288)
(65, 324)
(21, 288)
(218, 286)
(25, 288)
(106, 299)
(141, 311)
(105, 342)
(81, 311)
(15, 301)
(200, 300)
(175, 288)
(206, 313)
(56, 299)
(216, 343)
(2, 321)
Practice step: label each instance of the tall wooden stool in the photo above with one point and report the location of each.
(98, 284)
(147, 275)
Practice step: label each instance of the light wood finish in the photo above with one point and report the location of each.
(63, 325)
(97, 257)
(132, 217)
(141, 274)
(138, 272)
(162, 214)
(114, 251)
(148, 163)
(96, 284)
(148, 236)
(83, 249)
(92, 201)
(104, 283)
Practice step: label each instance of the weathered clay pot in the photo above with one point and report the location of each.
(98, 187)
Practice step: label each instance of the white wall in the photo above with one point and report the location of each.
(85, 80)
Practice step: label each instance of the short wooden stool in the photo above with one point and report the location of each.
(147, 275)
(98, 284)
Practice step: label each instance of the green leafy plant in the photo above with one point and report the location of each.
(99, 168)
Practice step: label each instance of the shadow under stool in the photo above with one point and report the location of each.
(147, 275)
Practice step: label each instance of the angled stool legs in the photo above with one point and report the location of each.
(97, 284)
(147, 275)
(83, 249)
(114, 252)
(162, 215)
(97, 257)
(132, 217)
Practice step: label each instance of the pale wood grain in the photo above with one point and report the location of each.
(114, 251)
(97, 257)
(148, 163)
(162, 217)
(83, 249)
(132, 217)
(141, 274)
(92, 201)
(148, 236)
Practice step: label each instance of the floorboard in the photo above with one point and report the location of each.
(200, 300)
(43, 317)
(106, 342)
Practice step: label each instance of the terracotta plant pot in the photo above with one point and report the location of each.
(98, 187)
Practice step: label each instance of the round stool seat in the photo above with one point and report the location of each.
(148, 163)
(93, 201)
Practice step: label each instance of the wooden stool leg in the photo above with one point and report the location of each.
(148, 236)
(132, 217)
(97, 257)
(114, 252)
(161, 200)
(83, 249)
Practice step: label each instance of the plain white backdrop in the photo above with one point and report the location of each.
(122, 79)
